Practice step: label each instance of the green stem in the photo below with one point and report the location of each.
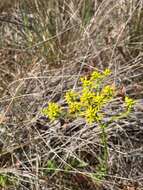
(105, 147)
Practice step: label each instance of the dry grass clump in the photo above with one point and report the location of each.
(45, 46)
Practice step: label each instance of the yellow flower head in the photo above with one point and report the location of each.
(129, 102)
(96, 76)
(92, 115)
(108, 91)
(71, 96)
(86, 97)
(107, 72)
(74, 107)
(86, 83)
(53, 111)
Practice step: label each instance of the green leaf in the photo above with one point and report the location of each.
(50, 167)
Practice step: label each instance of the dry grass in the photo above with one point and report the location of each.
(45, 46)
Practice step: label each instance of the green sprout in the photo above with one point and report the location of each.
(51, 167)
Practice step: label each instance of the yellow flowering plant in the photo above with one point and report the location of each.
(53, 111)
(89, 104)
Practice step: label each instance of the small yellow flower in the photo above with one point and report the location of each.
(53, 111)
(92, 115)
(99, 101)
(74, 107)
(108, 91)
(86, 97)
(107, 72)
(86, 83)
(71, 96)
(96, 75)
(129, 102)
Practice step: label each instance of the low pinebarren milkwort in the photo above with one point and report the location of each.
(89, 102)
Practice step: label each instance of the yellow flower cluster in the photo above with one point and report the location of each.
(129, 102)
(87, 97)
(53, 111)
(92, 114)
(74, 107)
(88, 103)
(71, 96)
